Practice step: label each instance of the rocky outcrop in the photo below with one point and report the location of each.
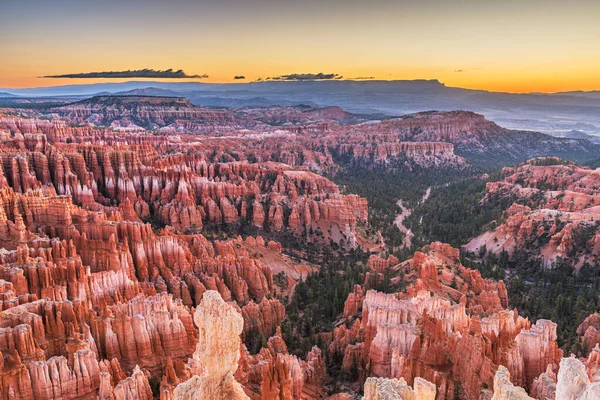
(276, 374)
(134, 387)
(392, 152)
(589, 331)
(538, 348)
(450, 326)
(217, 353)
(144, 332)
(111, 234)
(262, 318)
(574, 383)
(555, 217)
(84, 284)
(138, 112)
(187, 191)
(544, 386)
(505, 390)
(388, 389)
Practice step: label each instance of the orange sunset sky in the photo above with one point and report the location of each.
(516, 46)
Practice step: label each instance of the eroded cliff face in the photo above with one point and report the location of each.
(297, 136)
(454, 338)
(103, 259)
(94, 300)
(186, 192)
(277, 374)
(574, 383)
(589, 331)
(554, 215)
(143, 112)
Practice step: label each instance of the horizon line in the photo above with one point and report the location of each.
(9, 90)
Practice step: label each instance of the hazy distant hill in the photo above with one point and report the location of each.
(552, 113)
(574, 134)
(594, 94)
(149, 91)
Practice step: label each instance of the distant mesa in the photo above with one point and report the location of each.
(140, 73)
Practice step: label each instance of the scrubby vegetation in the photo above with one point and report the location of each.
(455, 213)
(319, 300)
(383, 190)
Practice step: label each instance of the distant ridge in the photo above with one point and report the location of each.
(149, 112)
(132, 98)
(555, 114)
(91, 89)
(129, 103)
(149, 91)
(575, 134)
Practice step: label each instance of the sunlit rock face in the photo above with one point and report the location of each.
(389, 389)
(217, 353)
(573, 381)
(505, 390)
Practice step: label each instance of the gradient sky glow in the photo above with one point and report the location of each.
(502, 45)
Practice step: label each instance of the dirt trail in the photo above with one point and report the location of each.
(426, 195)
(405, 213)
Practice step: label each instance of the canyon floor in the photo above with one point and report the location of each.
(406, 212)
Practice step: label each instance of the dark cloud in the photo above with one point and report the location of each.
(239, 77)
(140, 73)
(363, 78)
(459, 70)
(305, 77)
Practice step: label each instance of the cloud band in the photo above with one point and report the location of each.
(140, 73)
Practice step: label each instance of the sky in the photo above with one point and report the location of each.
(501, 45)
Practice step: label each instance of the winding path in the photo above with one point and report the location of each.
(405, 212)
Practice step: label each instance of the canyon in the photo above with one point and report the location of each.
(151, 248)
(441, 139)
